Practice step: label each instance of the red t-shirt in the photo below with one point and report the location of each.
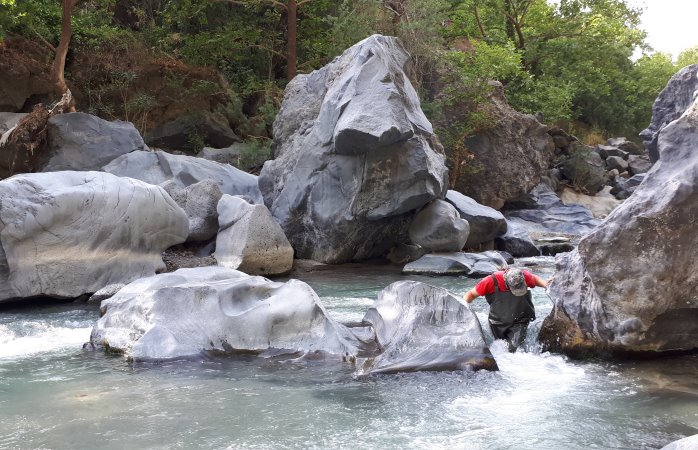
(486, 285)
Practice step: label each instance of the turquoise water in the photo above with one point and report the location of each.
(54, 395)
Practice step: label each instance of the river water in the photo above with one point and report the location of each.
(54, 395)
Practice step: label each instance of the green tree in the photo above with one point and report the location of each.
(687, 57)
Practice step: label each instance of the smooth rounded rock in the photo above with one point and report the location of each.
(439, 228)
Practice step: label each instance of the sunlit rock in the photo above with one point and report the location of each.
(217, 310)
(200, 202)
(630, 286)
(250, 240)
(421, 327)
(355, 156)
(65, 234)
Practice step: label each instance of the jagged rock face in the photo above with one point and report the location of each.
(629, 287)
(79, 141)
(250, 240)
(510, 157)
(159, 167)
(355, 156)
(675, 98)
(421, 327)
(439, 228)
(218, 310)
(64, 234)
(485, 223)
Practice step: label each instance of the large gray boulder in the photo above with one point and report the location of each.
(517, 241)
(510, 156)
(217, 310)
(200, 202)
(485, 223)
(584, 170)
(421, 327)
(79, 141)
(675, 98)
(158, 167)
(355, 156)
(627, 288)
(439, 228)
(64, 234)
(249, 239)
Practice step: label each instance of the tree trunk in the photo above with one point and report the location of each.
(291, 54)
(58, 67)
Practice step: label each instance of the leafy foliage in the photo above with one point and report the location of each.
(569, 60)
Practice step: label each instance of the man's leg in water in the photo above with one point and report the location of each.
(516, 335)
(498, 331)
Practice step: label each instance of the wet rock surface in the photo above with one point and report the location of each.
(421, 327)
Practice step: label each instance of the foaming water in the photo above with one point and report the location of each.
(37, 337)
(54, 395)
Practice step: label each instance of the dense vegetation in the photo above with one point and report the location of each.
(569, 60)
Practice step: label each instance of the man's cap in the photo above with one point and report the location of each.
(514, 279)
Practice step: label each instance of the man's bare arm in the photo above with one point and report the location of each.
(470, 295)
(541, 282)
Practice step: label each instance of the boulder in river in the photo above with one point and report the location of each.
(64, 234)
(628, 287)
(200, 202)
(250, 240)
(421, 327)
(517, 241)
(485, 223)
(217, 310)
(355, 156)
(439, 228)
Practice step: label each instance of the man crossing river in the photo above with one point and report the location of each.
(511, 307)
